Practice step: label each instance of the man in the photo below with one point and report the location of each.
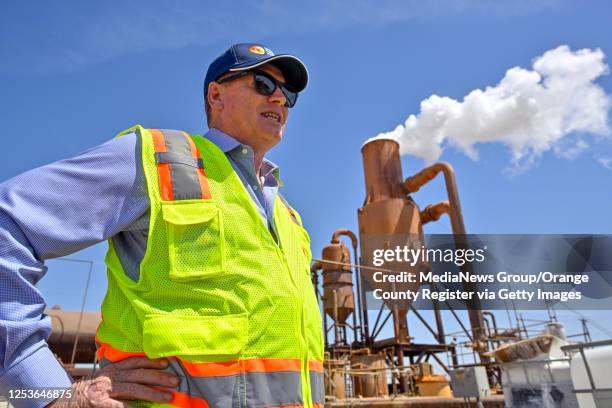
(209, 302)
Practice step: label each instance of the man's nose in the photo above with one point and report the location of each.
(278, 96)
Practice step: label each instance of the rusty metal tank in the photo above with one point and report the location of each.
(388, 218)
(338, 295)
(369, 373)
(386, 209)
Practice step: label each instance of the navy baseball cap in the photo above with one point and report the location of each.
(240, 57)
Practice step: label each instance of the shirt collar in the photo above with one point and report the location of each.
(222, 140)
(227, 143)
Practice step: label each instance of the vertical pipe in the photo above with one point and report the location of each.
(400, 363)
(454, 356)
(366, 333)
(325, 329)
(336, 327)
(359, 303)
(355, 326)
(439, 323)
(494, 324)
(396, 322)
(585, 330)
(412, 184)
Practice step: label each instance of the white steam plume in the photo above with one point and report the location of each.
(531, 111)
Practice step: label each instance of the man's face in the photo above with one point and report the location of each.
(254, 119)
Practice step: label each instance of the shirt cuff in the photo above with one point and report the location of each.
(39, 371)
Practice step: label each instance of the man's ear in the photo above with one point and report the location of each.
(215, 97)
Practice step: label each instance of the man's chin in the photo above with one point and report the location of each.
(273, 138)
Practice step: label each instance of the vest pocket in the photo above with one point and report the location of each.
(166, 335)
(196, 244)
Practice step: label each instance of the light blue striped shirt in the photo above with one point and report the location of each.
(49, 212)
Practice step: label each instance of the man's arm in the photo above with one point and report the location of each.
(49, 212)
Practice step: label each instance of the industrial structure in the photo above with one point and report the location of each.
(368, 366)
(365, 368)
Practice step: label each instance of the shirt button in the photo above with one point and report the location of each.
(255, 187)
(244, 150)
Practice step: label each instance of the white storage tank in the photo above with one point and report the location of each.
(536, 373)
(538, 383)
(592, 381)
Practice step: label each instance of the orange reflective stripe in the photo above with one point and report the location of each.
(203, 183)
(158, 140)
(207, 369)
(112, 354)
(317, 405)
(268, 365)
(163, 169)
(255, 365)
(316, 366)
(200, 171)
(211, 369)
(183, 400)
(165, 182)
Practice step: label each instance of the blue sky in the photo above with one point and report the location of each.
(73, 74)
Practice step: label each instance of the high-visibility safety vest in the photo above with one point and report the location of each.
(233, 310)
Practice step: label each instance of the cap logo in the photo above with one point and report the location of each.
(256, 49)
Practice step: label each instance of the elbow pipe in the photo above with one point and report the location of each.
(414, 183)
(433, 212)
(493, 321)
(345, 232)
(316, 266)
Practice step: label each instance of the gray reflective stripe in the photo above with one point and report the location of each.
(185, 182)
(274, 389)
(219, 392)
(317, 388)
(174, 158)
(176, 142)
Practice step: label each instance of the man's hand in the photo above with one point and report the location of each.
(131, 379)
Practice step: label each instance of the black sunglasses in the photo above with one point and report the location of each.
(266, 84)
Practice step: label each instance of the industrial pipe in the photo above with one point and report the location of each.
(433, 212)
(335, 240)
(412, 185)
